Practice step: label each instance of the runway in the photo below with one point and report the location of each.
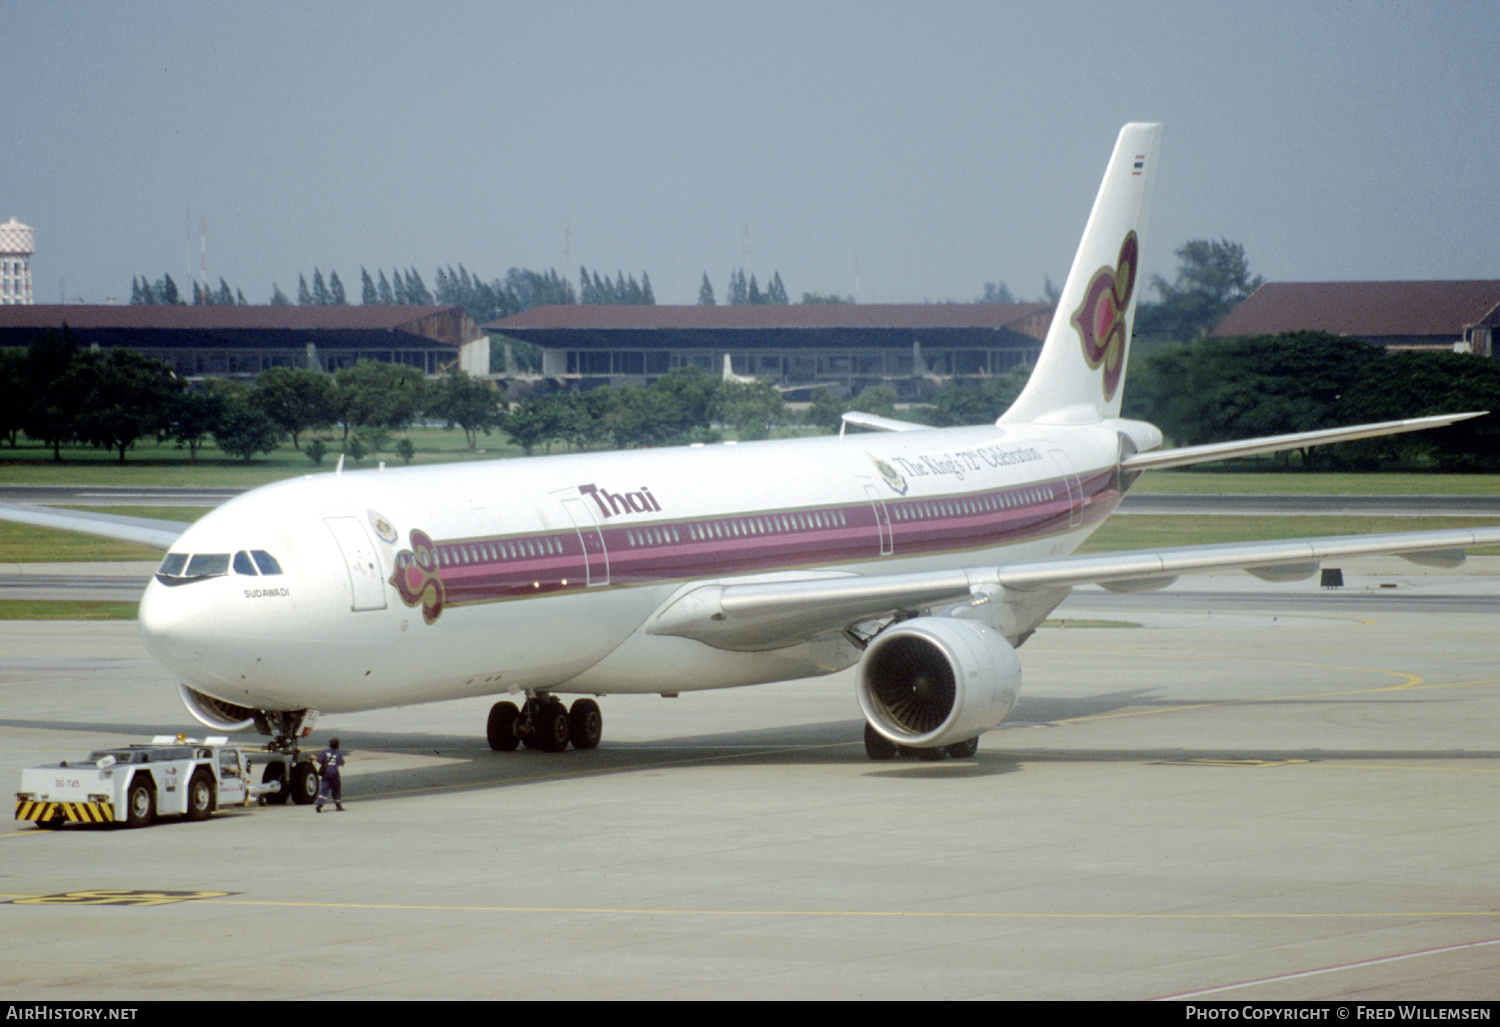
(1240, 797)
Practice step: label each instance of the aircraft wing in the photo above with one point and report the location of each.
(759, 616)
(147, 531)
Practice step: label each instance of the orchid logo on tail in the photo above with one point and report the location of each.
(1100, 318)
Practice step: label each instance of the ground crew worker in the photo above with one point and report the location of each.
(330, 760)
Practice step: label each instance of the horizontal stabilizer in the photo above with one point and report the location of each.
(1189, 455)
(874, 422)
(1298, 557)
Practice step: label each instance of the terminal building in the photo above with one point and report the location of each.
(843, 346)
(235, 341)
(1443, 316)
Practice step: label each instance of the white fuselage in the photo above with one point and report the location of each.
(415, 585)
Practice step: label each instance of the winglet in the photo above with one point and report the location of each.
(1081, 371)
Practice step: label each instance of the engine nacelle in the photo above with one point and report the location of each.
(216, 713)
(934, 681)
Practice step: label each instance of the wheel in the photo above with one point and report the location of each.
(304, 784)
(501, 729)
(964, 750)
(877, 745)
(551, 726)
(275, 772)
(200, 796)
(585, 724)
(140, 803)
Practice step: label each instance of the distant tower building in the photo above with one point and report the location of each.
(17, 244)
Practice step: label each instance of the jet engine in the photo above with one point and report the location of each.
(216, 713)
(936, 681)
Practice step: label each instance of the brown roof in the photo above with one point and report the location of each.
(600, 317)
(215, 317)
(1367, 310)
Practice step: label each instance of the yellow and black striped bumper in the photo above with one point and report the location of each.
(73, 812)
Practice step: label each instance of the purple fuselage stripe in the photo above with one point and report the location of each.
(482, 570)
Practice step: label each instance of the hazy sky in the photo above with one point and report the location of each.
(909, 151)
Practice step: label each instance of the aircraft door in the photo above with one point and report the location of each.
(365, 579)
(882, 520)
(595, 556)
(1075, 488)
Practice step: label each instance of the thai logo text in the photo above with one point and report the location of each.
(611, 503)
(1100, 318)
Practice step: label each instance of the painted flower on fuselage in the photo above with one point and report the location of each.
(416, 576)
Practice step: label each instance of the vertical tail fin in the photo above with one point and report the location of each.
(1081, 371)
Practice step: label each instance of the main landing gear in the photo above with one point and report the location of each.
(879, 747)
(544, 723)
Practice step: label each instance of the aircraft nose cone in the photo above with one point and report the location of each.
(172, 628)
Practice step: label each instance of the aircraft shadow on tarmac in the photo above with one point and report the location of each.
(446, 762)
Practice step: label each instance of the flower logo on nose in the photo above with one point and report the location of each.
(1100, 318)
(416, 576)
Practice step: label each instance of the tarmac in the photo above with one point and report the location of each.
(1243, 792)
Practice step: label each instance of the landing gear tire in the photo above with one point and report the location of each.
(585, 724)
(140, 803)
(550, 725)
(304, 784)
(501, 729)
(877, 745)
(964, 750)
(275, 773)
(200, 796)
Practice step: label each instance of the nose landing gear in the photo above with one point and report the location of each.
(544, 723)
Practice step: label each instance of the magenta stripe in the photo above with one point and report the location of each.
(917, 527)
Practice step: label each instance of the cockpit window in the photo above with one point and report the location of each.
(183, 568)
(207, 565)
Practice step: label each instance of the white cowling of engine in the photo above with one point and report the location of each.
(215, 713)
(934, 681)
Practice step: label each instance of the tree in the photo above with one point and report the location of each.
(964, 403)
(296, 399)
(373, 394)
(826, 410)
(472, 404)
(192, 417)
(1212, 278)
(706, 292)
(15, 392)
(126, 398)
(751, 408)
(776, 291)
(244, 430)
(54, 392)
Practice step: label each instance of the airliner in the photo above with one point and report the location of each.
(922, 557)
